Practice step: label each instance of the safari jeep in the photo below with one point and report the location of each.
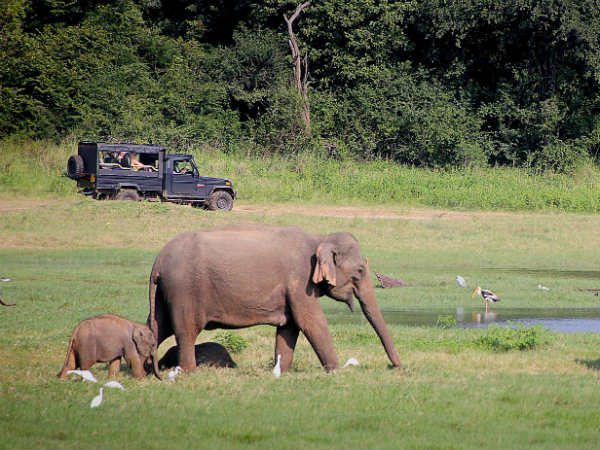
(145, 172)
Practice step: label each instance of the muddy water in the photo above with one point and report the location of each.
(571, 320)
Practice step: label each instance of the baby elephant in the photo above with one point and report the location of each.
(208, 353)
(107, 338)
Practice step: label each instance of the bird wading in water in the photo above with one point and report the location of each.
(488, 296)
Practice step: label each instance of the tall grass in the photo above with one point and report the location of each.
(37, 169)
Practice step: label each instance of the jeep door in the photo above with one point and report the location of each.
(185, 181)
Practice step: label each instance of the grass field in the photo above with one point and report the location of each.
(72, 258)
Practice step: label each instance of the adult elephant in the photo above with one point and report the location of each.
(242, 275)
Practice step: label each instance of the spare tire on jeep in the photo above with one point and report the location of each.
(75, 167)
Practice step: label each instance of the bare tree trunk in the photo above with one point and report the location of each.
(300, 77)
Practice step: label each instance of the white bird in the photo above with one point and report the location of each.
(461, 281)
(351, 362)
(6, 280)
(114, 384)
(97, 399)
(277, 368)
(543, 288)
(488, 296)
(85, 374)
(173, 373)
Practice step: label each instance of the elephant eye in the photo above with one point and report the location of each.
(360, 272)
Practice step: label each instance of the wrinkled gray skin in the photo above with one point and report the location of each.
(107, 338)
(243, 275)
(210, 354)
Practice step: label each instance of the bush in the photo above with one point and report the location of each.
(231, 342)
(514, 336)
(445, 321)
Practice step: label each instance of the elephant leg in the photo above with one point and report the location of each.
(285, 343)
(114, 368)
(187, 351)
(134, 361)
(186, 332)
(313, 324)
(163, 318)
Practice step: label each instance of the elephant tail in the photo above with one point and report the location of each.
(152, 288)
(70, 360)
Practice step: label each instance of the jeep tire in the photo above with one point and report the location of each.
(128, 194)
(75, 167)
(219, 201)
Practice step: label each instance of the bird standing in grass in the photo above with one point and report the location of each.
(277, 368)
(114, 385)
(97, 400)
(85, 374)
(351, 362)
(173, 373)
(488, 296)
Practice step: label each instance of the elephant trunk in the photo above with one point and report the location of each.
(368, 304)
(154, 357)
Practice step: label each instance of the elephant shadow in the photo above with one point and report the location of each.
(209, 354)
(589, 363)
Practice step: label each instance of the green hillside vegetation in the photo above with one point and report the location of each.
(448, 84)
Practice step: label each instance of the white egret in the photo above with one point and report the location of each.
(115, 385)
(6, 280)
(97, 399)
(173, 373)
(85, 374)
(543, 288)
(351, 362)
(277, 368)
(461, 281)
(488, 296)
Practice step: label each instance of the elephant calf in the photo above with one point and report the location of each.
(207, 353)
(107, 338)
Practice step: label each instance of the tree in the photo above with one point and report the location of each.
(301, 80)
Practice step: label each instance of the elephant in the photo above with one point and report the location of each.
(241, 275)
(208, 353)
(107, 338)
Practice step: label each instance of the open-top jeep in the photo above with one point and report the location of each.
(139, 172)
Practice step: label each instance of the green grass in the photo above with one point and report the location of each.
(75, 257)
(36, 168)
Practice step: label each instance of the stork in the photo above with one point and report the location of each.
(488, 296)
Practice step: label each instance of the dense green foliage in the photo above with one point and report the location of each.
(433, 83)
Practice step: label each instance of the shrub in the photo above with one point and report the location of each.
(231, 342)
(514, 336)
(446, 321)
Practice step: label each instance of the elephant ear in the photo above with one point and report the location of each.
(325, 266)
(144, 341)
